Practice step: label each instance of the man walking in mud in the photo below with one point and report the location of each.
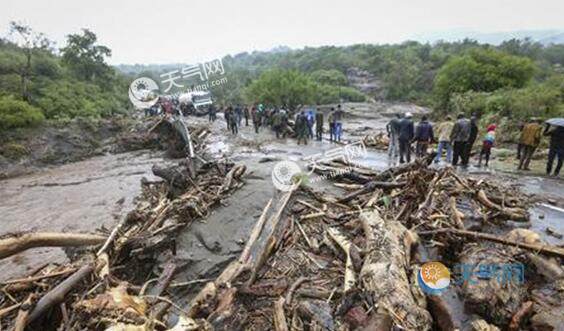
(211, 113)
(555, 149)
(471, 140)
(459, 138)
(255, 116)
(234, 122)
(330, 119)
(531, 137)
(247, 115)
(406, 134)
(338, 126)
(301, 127)
(319, 125)
(393, 128)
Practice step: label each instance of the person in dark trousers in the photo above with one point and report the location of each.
(555, 149)
(247, 115)
(227, 115)
(471, 140)
(392, 128)
(487, 145)
(520, 144)
(459, 138)
(255, 116)
(406, 134)
(211, 113)
(330, 119)
(310, 121)
(423, 137)
(531, 137)
(301, 127)
(319, 125)
(238, 114)
(277, 123)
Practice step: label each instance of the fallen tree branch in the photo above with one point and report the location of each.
(19, 243)
(57, 295)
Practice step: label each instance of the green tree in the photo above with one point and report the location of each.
(30, 41)
(330, 77)
(481, 70)
(288, 88)
(85, 58)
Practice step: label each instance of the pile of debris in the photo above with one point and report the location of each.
(379, 141)
(316, 262)
(124, 280)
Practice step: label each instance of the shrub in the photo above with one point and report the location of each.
(17, 114)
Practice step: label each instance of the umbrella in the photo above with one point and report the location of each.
(557, 121)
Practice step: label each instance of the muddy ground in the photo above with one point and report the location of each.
(85, 195)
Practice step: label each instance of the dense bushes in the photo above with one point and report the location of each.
(481, 70)
(16, 114)
(292, 88)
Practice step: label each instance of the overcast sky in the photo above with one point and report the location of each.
(145, 31)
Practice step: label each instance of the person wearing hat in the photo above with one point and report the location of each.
(406, 134)
(487, 144)
(530, 138)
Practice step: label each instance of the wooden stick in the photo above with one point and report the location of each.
(57, 295)
(345, 244)
(19, 243)
(36, 278)
(255, 233)
(22, 318)
(279, 317)
(270, 239)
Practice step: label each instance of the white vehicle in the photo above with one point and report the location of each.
(196, 99)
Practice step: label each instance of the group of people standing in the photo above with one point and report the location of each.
(278, 120)
(455, 138)
(458, 137)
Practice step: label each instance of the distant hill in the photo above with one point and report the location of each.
(545, 37)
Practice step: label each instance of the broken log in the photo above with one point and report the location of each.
(384, 275)
(21, 242)
(57, 295)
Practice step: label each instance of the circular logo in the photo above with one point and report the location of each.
(283, 175)
(433, 278)
(143, 92)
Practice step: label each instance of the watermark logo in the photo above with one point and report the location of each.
(433, 278)
(284, 175)
(143, 92)
(503, 273)
(198, 75)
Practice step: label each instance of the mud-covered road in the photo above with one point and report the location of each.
(86, 195)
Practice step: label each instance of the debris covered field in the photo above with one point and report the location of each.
(313, 260)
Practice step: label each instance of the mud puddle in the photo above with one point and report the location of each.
(76, 197)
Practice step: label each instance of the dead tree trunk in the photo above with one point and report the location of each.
(384, 272)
